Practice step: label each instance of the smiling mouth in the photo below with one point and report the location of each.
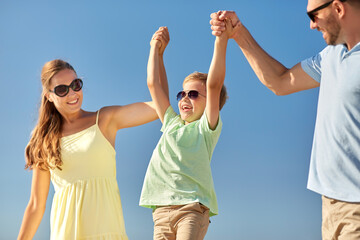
(186, 108)
(74, 102)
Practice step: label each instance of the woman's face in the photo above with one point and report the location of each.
(71, 103)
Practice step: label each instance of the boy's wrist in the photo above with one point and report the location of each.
(155, 44)
(221, 40)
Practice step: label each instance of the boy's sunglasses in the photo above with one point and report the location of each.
(192, 94)
(311, 13)
(63, 90)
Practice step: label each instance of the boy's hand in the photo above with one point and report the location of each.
(165, 38)
(160, 39)
(227, 33)
(218, 25)
(155, 42)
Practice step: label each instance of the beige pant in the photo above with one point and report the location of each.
(181, 222)
(340, 220)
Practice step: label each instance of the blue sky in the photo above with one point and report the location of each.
(260, 165)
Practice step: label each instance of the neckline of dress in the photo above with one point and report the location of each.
(79, 131)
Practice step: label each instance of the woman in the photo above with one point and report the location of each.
(75, 149)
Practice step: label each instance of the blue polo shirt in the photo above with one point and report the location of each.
(335, 158)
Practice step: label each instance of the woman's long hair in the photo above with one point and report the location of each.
(43, 149)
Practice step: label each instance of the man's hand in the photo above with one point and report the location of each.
(218, 24)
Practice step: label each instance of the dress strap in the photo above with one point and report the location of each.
(97, 117)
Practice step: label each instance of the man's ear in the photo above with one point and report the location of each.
(339, 9)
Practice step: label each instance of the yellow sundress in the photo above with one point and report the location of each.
(86, 202)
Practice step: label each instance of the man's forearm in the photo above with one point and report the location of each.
(268, 70)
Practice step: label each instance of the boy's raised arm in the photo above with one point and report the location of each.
(156, 75)
(216, 77)
(165, 38)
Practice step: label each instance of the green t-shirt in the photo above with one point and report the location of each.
(179, 171)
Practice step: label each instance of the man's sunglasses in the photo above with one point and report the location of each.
(192, 94)
(63, 90)
(311, 13)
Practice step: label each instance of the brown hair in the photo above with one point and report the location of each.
(198, 76)
(43, 149)
(354, 3)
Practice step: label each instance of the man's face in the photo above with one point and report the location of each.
(331, 30)
(324, 20)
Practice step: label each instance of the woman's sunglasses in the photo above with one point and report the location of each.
(192, 94)
(63, 90)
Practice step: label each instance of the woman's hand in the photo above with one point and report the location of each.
(160, 39)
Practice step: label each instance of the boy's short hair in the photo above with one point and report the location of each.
(198, 76)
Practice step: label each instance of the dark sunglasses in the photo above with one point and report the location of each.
(192, 94)
(63, 90)
(311, 13)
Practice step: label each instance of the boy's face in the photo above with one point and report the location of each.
(193, 109)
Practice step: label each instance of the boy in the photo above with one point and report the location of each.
(178, 185)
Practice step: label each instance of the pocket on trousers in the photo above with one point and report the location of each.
(204, 208)
(160, 216)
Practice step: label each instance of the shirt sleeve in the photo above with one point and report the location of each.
(204, 124)
(211, 136)
(312, 65)
(170, 114)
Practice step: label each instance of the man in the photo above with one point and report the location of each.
(335, 159)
